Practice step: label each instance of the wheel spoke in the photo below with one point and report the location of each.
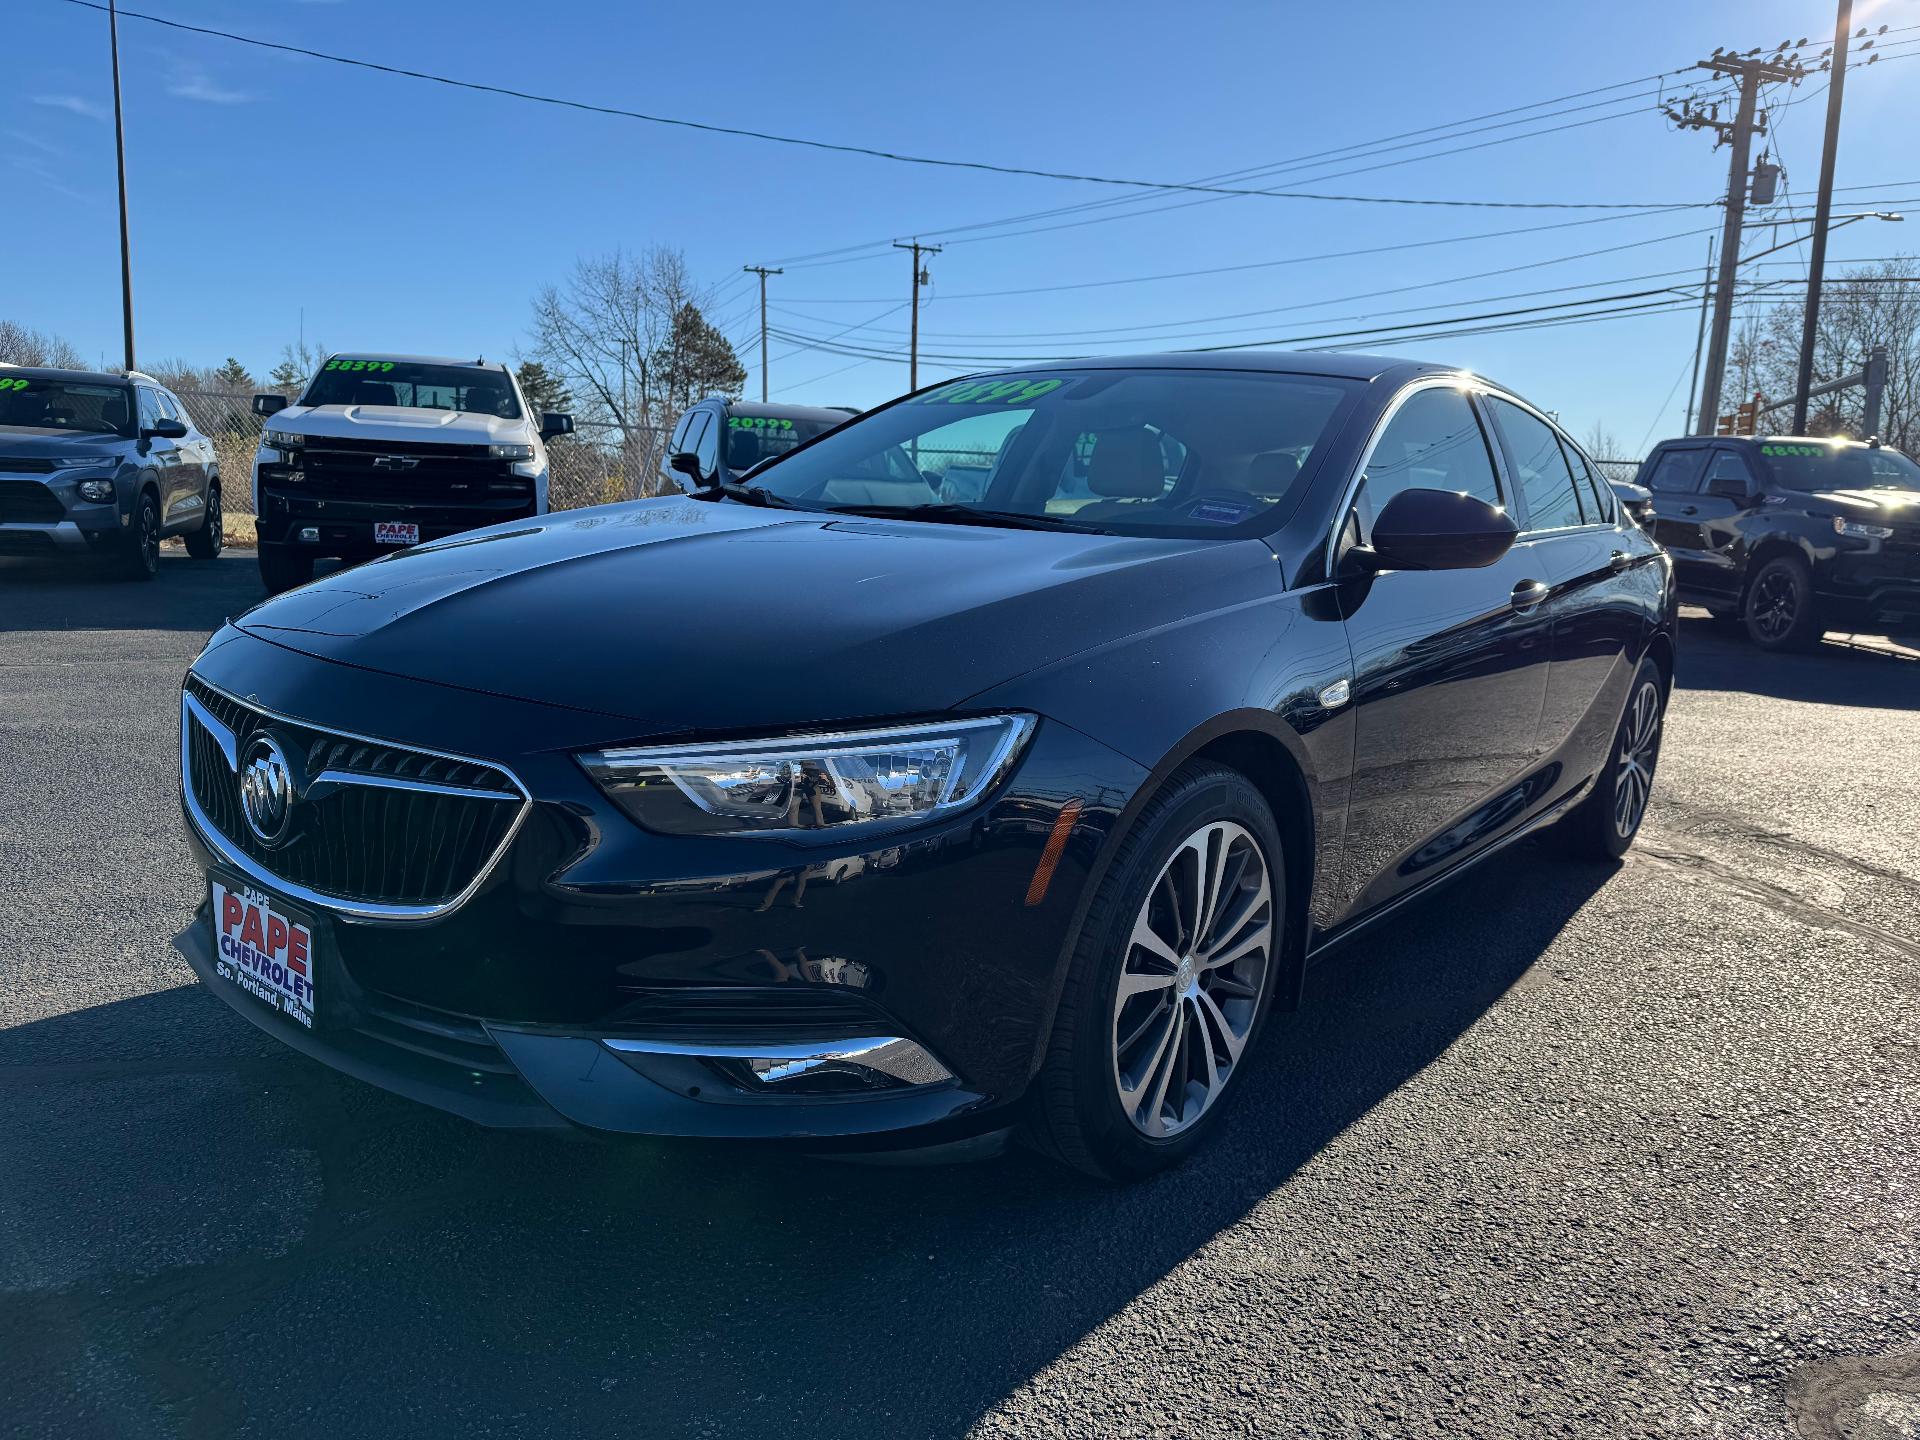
(1136, 982)
(1170, 1057)
(1252, 942)
(1145, 937)
(1218, 1028)
(1245, 911)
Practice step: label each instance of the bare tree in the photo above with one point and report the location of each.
(23, 345)
(603, 334)
(1602, 444)
(1868, 305)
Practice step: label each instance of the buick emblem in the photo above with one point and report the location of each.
(266, 790)
(395, 462)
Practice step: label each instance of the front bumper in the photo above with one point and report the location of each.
(43, 515)
(626, 981)
(1873, 583)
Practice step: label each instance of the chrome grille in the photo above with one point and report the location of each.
(384, 831)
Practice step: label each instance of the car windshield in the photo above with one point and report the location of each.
(1145, 452)
(30, 403)
(414, 385)
(1811, 465)
(753, 438)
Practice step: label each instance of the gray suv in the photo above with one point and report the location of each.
(100, 464)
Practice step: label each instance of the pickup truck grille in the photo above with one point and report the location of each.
(389, 471)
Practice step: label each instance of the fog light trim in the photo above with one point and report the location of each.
(889, 1058)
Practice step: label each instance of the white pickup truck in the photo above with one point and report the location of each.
(384, 451)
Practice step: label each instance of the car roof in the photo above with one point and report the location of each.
(765, 410)
(86, 377)
(1337, 364)
(417, 359)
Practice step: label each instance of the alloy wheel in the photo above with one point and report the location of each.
(1776, 604)
(1639, 750)
(149, 537)
(1190, 985)
(216, 518)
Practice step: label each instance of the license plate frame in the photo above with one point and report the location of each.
(396, 532)
(264, 947)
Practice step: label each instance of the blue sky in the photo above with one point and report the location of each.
(409, 216)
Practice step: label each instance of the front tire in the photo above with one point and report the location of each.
(1780, 605)
(282, 567)
(1168, 988)
(141, 557)
(1603, 825)
(207, 542)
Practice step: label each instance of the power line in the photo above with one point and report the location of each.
(871, 152)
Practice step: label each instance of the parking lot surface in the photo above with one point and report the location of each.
(1571, 1149)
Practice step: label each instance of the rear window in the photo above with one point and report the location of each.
(414, 385)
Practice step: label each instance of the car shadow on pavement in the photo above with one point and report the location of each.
(1839, 671)
(191, 1218)
(86, 594)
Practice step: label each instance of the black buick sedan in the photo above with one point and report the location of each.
(1000, 759)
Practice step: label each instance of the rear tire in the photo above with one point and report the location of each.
(1191, 916)
(140, 557)
(1780, 606)
(1603, 825)
(207, 542)
(282, 567)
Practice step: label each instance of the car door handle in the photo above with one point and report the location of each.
(1619, 560)
(1689, 509)
(1527, 594)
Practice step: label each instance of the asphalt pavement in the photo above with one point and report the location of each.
(1571, 1149)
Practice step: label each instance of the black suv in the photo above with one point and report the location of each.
(718, 440)
(1790, 536)
(102, 464)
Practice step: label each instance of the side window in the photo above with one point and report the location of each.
(150, 412)
(1433, 442)
(678, 442)
(1729, 466)
(706, 444)
(1596, 496)
(1536, 461)
(1678, 471)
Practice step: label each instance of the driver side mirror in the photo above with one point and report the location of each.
(553, 423)
(687, 463)
(1730, 487)
(265, 405)
(164, 430)
(1439, 530)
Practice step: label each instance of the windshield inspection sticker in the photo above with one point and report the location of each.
(989, 392)
(381, 366)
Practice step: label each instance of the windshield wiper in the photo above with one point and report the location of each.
(746, 495)
(968, 515)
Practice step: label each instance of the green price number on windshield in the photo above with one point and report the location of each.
(990, 392)
(1814, 451)
(14, 384)
(757, 422)
(365, 365)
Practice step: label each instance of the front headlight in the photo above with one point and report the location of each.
(811, 783)
(80, 462)
(510, 452)
(1861, 531)
(283, 439)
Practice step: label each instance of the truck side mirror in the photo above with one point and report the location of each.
(553, 423)
(265, 405)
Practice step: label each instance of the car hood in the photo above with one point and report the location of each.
(31, 441)
(685, 616)
(1892, 504)
(398, 422)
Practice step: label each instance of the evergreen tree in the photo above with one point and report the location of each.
(544, 390)
(696, 360)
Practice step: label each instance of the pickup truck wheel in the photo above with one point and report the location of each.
(206, 542)
(141, 556)
(1779, 610)
(282, 567)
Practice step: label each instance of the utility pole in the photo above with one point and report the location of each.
(120, 155)
(1752, 72)
(920, 277)
(1823, 207)
(1700, 334)
(762, 271)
